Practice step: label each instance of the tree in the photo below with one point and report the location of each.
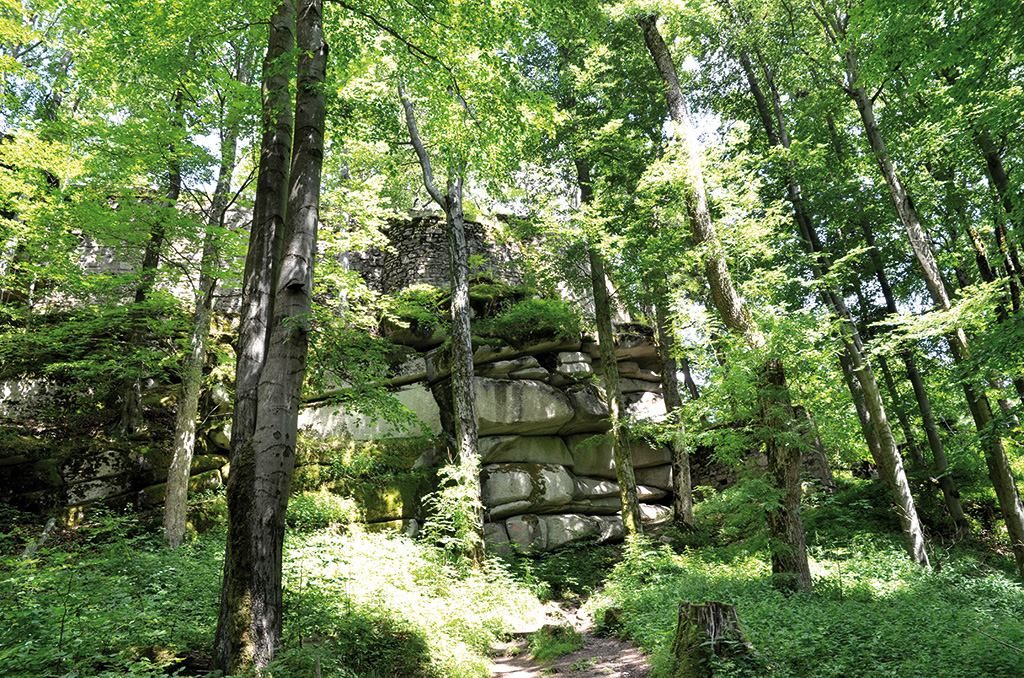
(175, 502)
(789, 556)
(463, 397)
(249, 629)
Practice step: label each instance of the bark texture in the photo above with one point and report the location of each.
(463, 396)
(192, 372)
(682, 487)
(995, 454)
(885, 449)
(702, 631)
(789, 559)
(251, 603)
(621, 451)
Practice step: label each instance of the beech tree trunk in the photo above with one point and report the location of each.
(621, 449)
(999, 469)
(682, 487)
(940, 461)
(789, 559)
(176, 501)
(250, 629)
(463, 395)
(884, 450)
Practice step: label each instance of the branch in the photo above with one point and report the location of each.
(421, 152)
(413, 48)
(1015, 649)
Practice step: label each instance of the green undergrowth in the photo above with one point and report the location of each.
(553, 641)
(873, 613)
(574, 571)
(108, 599)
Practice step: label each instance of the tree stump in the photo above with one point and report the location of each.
(704, 631)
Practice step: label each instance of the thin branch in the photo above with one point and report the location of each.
(423, 13)
(1015, 649)
(413, 48)
(421, 152)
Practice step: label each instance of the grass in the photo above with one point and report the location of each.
(108, 599)
(873, 613)
(553, 641)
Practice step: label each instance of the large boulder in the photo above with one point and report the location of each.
(539, 533)
(509, 489)
(592, 456)
(656, 476)
(589, 408)
(529, 449)
(332, 421)
(519, 407)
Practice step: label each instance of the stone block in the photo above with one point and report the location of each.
(595, 488)
(646, 455)
(532, 449)
(590, 411)
(592, 456)
(655, 476)
(543, 487)
(519, 407)
(332, 421)
(639, 386)
(502, 368)
(648, 407)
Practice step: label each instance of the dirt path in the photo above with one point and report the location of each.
(599, 657)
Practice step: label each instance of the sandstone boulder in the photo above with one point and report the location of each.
(508, 489)
(519, 407)
(590, 411)
(530, 449)
(332, 421)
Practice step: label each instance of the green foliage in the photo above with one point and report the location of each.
(94, 348)
(857, 509)
(317, 510)
(553, 641)
(95, 592)
(387, 606)
(530, 320)
(453, 509)
(577, 569)
(108, 599)
(874, 612)
(418, 307)
(740, 512)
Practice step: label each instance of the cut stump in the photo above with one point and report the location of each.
(704, 631)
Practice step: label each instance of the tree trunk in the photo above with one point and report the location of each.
(884, 450)
(789, 559)
(941, 463)
(995, 454)
(703, 631)
(621, 450)
(249, 630)
(176, 501)
(682, 488)
(463, 395)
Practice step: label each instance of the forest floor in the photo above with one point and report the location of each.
(600, 656)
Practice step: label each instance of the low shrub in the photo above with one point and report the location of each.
(553, 641)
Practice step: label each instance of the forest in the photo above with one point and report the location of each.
(766, 253)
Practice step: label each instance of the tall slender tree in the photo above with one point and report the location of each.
(789, 556)
(250, 626)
